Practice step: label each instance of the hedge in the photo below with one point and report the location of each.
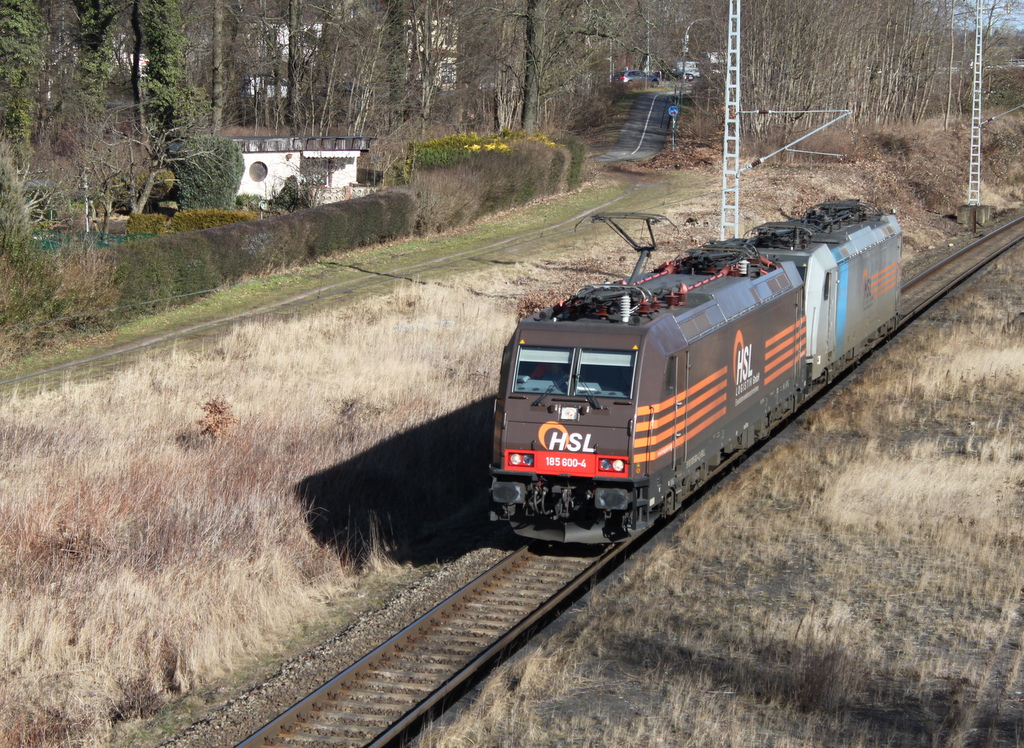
(178, 264)
(147, 223)
(198, 220)
(185, 220)
(492, 179)
(577, 160)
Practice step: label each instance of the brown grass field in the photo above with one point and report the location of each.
(175, 521)
(859, 585)
(150, 543)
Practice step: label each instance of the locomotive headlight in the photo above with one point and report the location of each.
(528, 460)
(569, 413)
(515, 459)
(618, 466)
(612, 466)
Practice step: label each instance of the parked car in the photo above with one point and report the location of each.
(637, 76)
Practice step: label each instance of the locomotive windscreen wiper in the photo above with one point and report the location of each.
(556, 385)
(583, 390)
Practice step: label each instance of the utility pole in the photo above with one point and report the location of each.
(974, 213)
(730, 227)
(974, 188)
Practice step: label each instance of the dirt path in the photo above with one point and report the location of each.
(356, 273)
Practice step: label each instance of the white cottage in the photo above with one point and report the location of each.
(329, 163)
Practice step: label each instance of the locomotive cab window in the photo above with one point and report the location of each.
(543, 370)
(605, 373)
(568, 371)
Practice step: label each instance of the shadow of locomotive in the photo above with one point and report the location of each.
(419, 496)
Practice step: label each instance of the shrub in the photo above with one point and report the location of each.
(556, 172)
(446, 198)
(209, 170)
(455, 149)
(197, 220)
(513, 179)
(147, 223)
(289, 198)
(577, 159)
(248, 201)
(493, 179)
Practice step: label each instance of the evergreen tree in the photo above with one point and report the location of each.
(171, 102)
(96, 20)
(21, 38)
(15, 222)
(209, 170)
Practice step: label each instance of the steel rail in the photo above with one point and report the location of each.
(497, 583)
(291, 723)
(975, 256)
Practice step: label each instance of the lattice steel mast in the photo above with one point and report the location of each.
(974, 188)
(731, 143)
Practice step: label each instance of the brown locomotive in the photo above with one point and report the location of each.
(615, 404)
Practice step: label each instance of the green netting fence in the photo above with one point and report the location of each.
(50, 241)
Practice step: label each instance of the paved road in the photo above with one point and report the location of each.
(645, 130)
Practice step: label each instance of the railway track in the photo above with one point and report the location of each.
(376, 700)
(382, 697)
(921, 291)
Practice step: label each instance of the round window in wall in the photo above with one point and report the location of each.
(258, 171)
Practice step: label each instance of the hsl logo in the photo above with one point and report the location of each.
(555, 436)
(743, 354)
(743, 362)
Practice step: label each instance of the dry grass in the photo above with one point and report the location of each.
(68, 282)
(153, 534)
(860, 585)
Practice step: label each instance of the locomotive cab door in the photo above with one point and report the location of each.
(821, 299)
(828, 296)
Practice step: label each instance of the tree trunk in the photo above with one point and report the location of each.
(137, 63)
(217, 72)
(293, 63)
(140, 197)
(396, 56)
(535, 31)
(508, 89)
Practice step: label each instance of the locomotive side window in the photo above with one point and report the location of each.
(605, 373)
(543, 370)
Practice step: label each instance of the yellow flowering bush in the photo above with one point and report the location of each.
(452, 149)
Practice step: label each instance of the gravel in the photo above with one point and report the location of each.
(237, 718)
